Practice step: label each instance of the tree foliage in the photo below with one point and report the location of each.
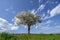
(28, 18)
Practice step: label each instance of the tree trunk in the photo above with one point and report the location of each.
(28, 29)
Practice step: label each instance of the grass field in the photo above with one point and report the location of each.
(39, 37)
(5, 36)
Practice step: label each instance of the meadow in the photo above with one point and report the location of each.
(7, 36)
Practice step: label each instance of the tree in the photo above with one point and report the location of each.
(28, 18)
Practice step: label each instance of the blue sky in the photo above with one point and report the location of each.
(49, 9)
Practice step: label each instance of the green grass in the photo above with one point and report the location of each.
(5, 36)
(40, 37)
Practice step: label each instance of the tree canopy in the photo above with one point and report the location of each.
(28, 18)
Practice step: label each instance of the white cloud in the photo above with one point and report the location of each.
(31, 1)
(54, 29)
(33, 11)
(56, 2)
(43, 15)
(43, 25)
(45, 28)
(52, 2)
(39, 1)
(41, 7)
(16, 21)
(5, 25)
(6, 9)
(13, 12)
(2, 29)
(14, 28)
(37, 25)
(57, 26)
(25, 26)
(49, 21)
(46, 17)
(48, 11)
(55, 11)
